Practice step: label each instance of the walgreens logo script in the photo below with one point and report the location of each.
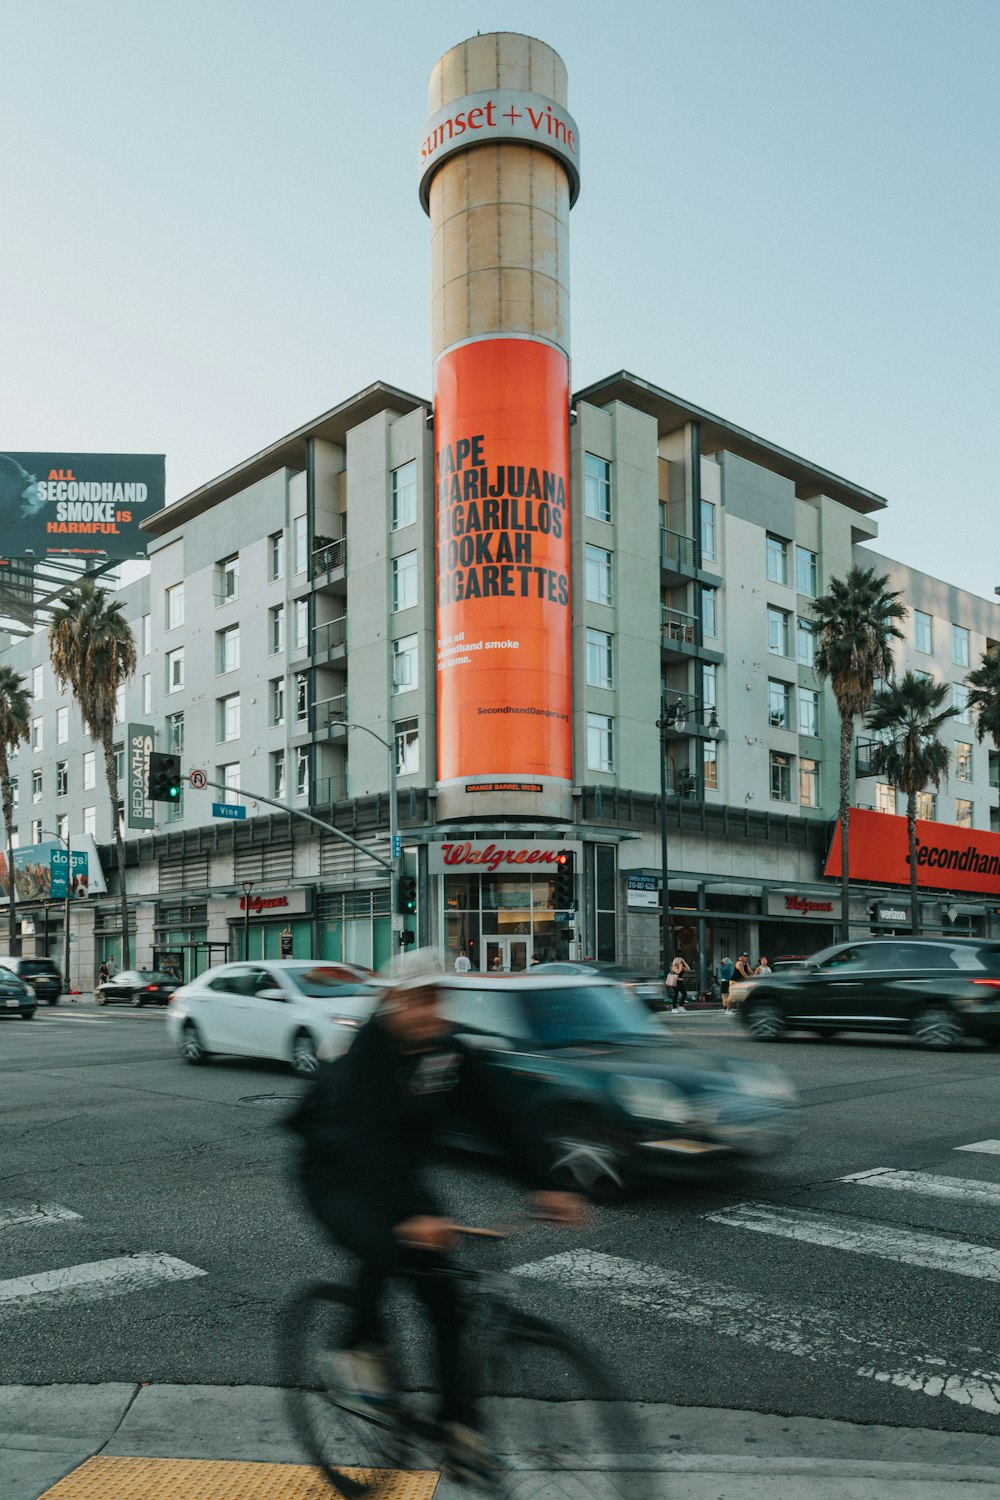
(263, 903)
(803, 904)
(494, 855)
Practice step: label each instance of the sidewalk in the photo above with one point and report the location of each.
(122, 1442)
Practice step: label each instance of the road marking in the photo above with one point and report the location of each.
(33, 1213)
(928, 1185)
(988, 1148)
(887, 1241)
(93, 1281)
(807, 1332)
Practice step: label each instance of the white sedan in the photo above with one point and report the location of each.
(293, 1010)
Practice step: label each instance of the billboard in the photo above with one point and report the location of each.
(501, 425)
(33, 870)
(949, 858)
(137, 803)
(78, 504)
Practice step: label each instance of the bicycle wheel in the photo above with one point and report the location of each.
(361, 1457)
(552, 1417)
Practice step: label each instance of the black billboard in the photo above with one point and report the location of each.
(78, 504)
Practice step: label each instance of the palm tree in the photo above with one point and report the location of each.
(93, 653)
(15, 712)
(907, 718)
(856, 620)
(984, 698)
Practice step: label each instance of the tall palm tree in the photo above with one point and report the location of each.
(857, 626)
(93, 653)
(15, 713)
(984, 696)
(907, 718)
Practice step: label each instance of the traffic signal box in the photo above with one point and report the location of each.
(164, 777)
(406, 901)
(565, 880)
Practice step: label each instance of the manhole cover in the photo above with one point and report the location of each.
(268, 1099)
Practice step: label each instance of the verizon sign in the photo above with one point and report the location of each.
(813, 908)
(489, 856)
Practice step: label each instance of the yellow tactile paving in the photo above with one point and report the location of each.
(201, 1479)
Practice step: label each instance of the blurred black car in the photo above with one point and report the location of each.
(611, 1095)
(651, 992)
(939, 990)
(138, 987)
(17, 998)
(41, 974)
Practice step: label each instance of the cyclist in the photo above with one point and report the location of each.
(367, 1124)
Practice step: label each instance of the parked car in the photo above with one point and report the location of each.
(939, 990)
(17, 998)
(650, 991)
(44, 976)
(286, 1009)
(613, 1096)
(137, 987)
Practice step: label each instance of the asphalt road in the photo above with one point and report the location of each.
(866, 1300)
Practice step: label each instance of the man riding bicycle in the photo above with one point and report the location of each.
(367, 1125)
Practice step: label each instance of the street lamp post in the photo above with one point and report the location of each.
(394, 850)
(673, 716)
(247, 888)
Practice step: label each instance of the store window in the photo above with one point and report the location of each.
(404, 495)
(597, 487)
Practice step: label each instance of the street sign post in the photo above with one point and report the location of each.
(228, 810)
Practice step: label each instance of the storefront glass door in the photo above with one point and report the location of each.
(508, 954)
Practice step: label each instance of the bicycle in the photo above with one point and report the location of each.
(545, 1403)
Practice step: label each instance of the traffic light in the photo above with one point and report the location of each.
(164, 777)
(565, 880)
(407, 902)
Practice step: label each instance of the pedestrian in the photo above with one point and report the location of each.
(112, 967)
(463, 962)
(763, 967)
(676, 992)
(497, 963)
(743, 969)
(725, 975)
(102, 974)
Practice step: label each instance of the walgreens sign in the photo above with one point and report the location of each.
(485, 854)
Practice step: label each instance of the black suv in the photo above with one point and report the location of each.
(939, 990)
(41, 973)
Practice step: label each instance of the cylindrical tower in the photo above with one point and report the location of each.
(499, 173)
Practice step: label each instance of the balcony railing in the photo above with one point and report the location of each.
(677, 627)
(676, 549)
(330, 637)
(326, 713)
(328, 558)
(327, 789)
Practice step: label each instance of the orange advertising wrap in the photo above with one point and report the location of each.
(948, 858)
(504, 691)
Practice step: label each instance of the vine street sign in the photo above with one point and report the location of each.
(228, 810)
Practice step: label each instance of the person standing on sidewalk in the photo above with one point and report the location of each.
(676, 991)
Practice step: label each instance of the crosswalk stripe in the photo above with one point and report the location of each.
(807, 1332)
(33, 1213)
(886, 1241)
(928, 1185)
(92, 1281)
(989, 1148)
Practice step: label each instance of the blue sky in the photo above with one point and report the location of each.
(790, 215)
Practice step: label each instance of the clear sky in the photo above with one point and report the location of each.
(790, 215)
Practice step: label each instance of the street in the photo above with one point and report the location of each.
(162, 1198)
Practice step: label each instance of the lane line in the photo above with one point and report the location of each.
(988, 1148)
(886, 1241)
(33, 1213)
(92, 1281)
(928, 1185)
(804, 1331)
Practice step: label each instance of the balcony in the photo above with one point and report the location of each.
(329, 789)
(329, 641)
(328, 566)
(325, 716)
(677, 560)
(678, 637)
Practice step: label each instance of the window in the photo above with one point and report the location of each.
(404, 495)
(300, 539)
(709, 612)
(90, 821)
(36, 830)
(277, 628)
(710, 685)
(960, 702)
(808, 782)
(228, 649)
(809, 712)
(927, 806)
(777, 559)
(36, 734)
(175, 670)
(277, 700)
(600, 742)
(963, 760)
(276, 552)
(599, 667)
(404, 664)
(118, 751)
(963, 813)
(175, 732)
(779, 705)
(120, 705)
(806, 572)
(407, 747)
(777, 631)
(62, 725)
(229, 717)
(175, 606)
(89, 770)
(300, 683)
(597, 575)
(960, 645)
(278, 774)
(596, 487)
(62, 778)
(404, 581)
(62, 825)
(36, 786)
(146, 634)
(781, 777)
(37, 681)
(923, 676)
(147, 693)
(885, 798)
(710, 764)
(923, 632)
(707, 529)
(805, 642)
(227, 580)
(229, 775)
(302, 771)
(300, 624)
